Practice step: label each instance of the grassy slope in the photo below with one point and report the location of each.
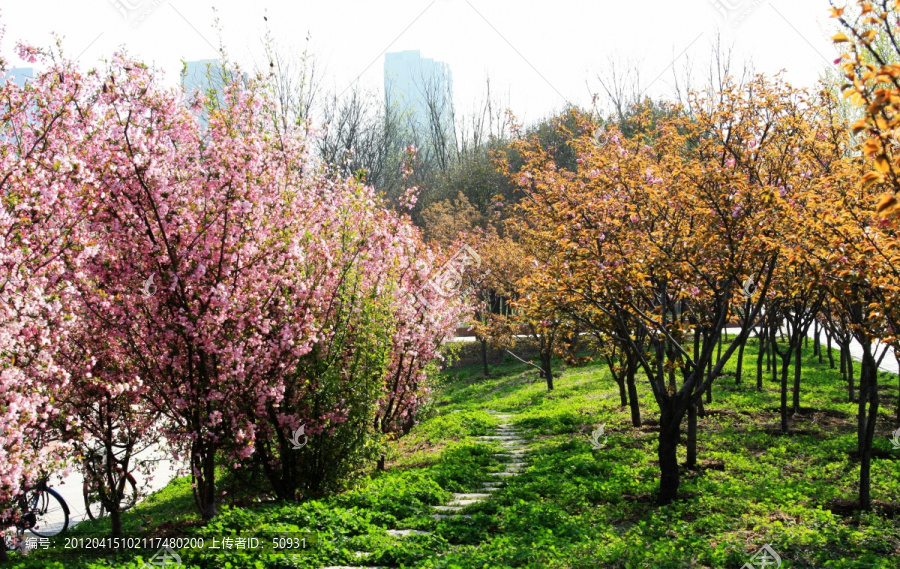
(575, 507)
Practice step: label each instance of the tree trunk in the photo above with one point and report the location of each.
(4, 557)
(740, 363)
(848, 368)
(692, 437)
(759, 360)
(115, 521)
(719, 350)
(669, 433)
(785, 364)
(547, 369)
(623, 395)
(204, 460)
(868, 393)
(797, 362)
(633, 399)
(381, 463)
(709, 374)
(830, 353)
(897, 357)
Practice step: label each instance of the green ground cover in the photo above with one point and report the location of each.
(573, 506)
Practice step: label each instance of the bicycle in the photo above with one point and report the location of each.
(43, 511)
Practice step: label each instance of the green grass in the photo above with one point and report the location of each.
(575, 507)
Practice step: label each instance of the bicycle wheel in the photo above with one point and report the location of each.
(94, 506)
(131, 493)
(48, 513)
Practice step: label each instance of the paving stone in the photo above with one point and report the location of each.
(464, 502)
(448, 508)
(406, 532)
(504, 474)
(469, 496)
(441, 517)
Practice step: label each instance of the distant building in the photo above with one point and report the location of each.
(420, 87)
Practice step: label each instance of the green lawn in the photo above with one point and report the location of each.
(574, 507)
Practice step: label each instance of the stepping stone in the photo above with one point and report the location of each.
(504, 474)
(448, 508)
(440, 517)
(498, 437)
(464, 502)
(516, 464)
(406, 532)
(470, 496)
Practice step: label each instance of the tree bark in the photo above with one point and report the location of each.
(633, 398)
(740, 363)
(797, 362)
(669, 433)
(692, 437)
(547, 368)
(830, 353)
(868, 393)
(759, 360)
(785, 364)
(204, 459)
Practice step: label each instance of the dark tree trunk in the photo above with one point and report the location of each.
(848, 367)
(669, 433)
(4, 557)
(115, 521)
(205, 491)
(830, 352)
(868, 394)
(692, 437)
(785, 364)
(897, 357)
(547, 369)
(843, 357)
(719, 350)
(623, 395)
(797, 362)
(630, 371)
(740, 363)
(381, 463)
(709, 370)
(759, 360)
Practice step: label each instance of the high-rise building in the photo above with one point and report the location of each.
(420, 87)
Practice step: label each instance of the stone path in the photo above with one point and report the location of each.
(512, 450)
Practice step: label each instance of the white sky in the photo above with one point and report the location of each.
(540, 53)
